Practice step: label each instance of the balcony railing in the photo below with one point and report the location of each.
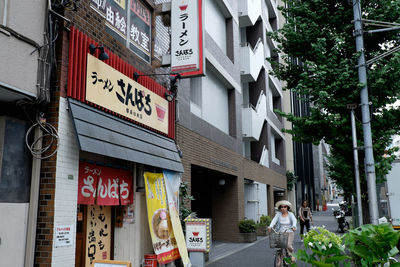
(252, 61)
(253, 119)
(249, 11)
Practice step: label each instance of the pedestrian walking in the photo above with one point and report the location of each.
(305, 217)
(285, 221)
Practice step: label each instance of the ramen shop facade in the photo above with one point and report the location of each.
(112, 128)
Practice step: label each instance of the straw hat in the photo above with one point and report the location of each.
(283, 202)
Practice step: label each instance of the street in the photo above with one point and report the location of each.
(259, 253)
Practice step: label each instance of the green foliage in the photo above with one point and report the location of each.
(326, 249)
(291, 180)
(372, 245)
(247, 226)
(184, 198)
(264, 220)
(319, 59)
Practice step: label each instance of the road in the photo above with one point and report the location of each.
(259, 253)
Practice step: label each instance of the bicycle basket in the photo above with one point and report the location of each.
(278, 240)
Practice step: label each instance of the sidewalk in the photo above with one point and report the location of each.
(230, 254)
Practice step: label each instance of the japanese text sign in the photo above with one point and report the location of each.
(111, 89)
(63, 236)
(187, 44)
(98, 237)
(140, 29)
(117, 15)
(111, 186)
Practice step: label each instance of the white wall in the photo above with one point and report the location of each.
(18, 67)
(215, 23)
(133, 241)
(215, 102)
(66, 192)
(13, 221)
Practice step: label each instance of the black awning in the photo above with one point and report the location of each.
(101, 133)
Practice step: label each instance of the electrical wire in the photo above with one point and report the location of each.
(49, 133)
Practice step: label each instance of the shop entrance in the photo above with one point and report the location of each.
(215, 195)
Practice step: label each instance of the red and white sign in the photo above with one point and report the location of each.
(187, 37)
(196, 236)
(109, 186)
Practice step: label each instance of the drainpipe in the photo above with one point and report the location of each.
(33, 203)
(5, 13)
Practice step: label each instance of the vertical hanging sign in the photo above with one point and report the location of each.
(161, 231)
(98, 237)
(140, 29)
(187, 41)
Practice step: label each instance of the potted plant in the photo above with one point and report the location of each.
(247, 231)
(262, 225)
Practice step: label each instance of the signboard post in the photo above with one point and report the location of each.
(198, 239)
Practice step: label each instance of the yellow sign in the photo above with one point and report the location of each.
(109, 88)
(98, 237)
(161, 231)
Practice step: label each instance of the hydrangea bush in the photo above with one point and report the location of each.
(323, 248)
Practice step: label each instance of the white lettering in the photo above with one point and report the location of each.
(88, 188)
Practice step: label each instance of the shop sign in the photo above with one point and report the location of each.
(63, 236)
(198, 234)
(116, 92)
(187, 43)
(161, 231)
(116, 15)
(98, 237)
(110, 186)
(140, 29)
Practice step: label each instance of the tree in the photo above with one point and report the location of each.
(319, 59)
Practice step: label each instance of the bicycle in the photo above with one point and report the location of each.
(279, 240)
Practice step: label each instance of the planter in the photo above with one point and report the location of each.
(247, 237)
(262, 231)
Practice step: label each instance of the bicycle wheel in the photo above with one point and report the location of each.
(285, 254)
(278, 262)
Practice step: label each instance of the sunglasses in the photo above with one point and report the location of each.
(283, 207)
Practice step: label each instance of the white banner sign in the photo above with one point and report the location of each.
(187, 41)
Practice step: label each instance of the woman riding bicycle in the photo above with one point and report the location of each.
(285, 221)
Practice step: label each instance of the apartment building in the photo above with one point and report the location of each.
(233, 147)
(79, 61)
(24, 84)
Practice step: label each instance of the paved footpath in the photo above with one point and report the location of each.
(259, 253)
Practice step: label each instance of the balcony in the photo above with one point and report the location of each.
(253, 119)
(249, 12)
(252, 60)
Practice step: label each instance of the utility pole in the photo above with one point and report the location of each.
(356, 167)
(366, 119)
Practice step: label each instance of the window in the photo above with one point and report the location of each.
(209, 100)
(195, 96)
(276, 149)
(215, 24)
